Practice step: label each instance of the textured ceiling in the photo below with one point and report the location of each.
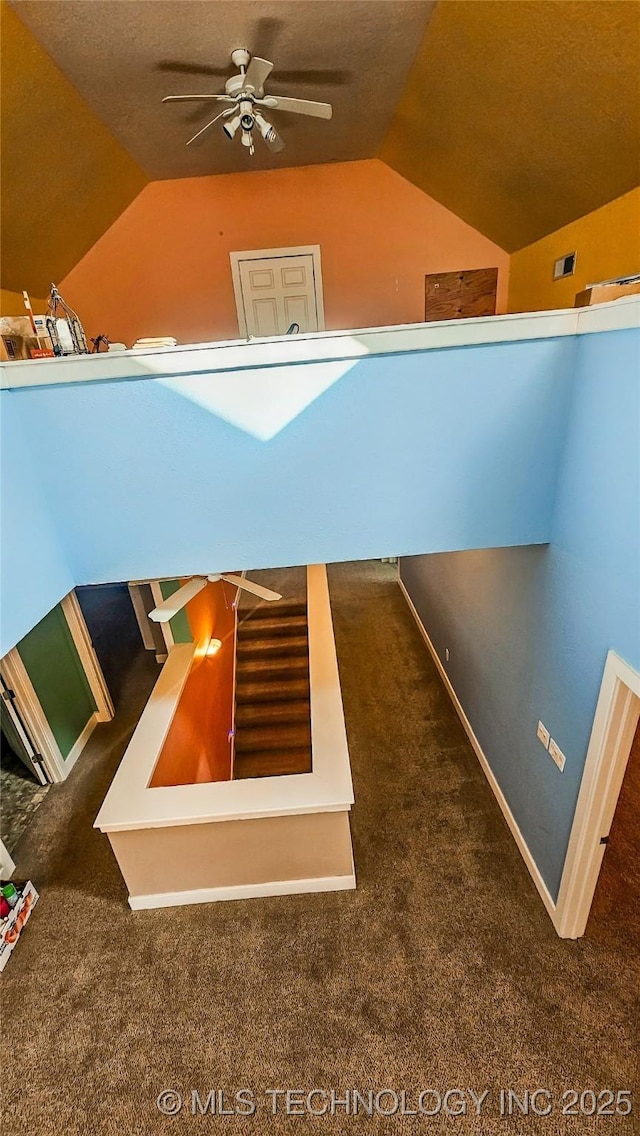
(124, 55)
(65, 179)
(521, 116)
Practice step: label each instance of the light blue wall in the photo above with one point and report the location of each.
(34, 571)
(528, 629)
(434, 450)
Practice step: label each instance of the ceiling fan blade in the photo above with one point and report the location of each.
(250, 586)
(257, 71)
(328, 78)
(223, 113)
(175, 603)
(196, 98)
(298, 106)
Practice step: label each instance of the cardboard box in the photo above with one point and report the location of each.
(12, 927)
(600, 293)
(17, 340)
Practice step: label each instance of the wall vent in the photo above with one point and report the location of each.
(564, 266)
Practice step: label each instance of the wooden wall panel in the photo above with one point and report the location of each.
(460, 295)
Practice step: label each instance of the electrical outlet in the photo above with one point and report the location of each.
(543, 735)
(556, 754)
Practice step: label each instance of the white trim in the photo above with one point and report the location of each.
(88, 658)
(318, 347)
(523, 847)
(242, 891)
(270, 254)
(7, 863)
(17, 677)
(614, 725)
(131, 804)
(158, 598)
(142, 618)
(80, 742)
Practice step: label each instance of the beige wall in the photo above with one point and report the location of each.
(234, 853)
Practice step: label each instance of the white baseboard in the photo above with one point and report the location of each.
(523, 847)
(242, 891)
(81, 742)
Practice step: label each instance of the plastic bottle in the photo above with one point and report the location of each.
(10, 894)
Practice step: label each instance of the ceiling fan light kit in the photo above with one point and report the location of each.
(245, 94)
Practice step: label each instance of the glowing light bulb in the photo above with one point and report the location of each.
(214, 647)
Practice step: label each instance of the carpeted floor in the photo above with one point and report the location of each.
(441, 971)
(20, 796)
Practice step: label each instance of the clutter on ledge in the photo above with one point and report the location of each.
(318, 346)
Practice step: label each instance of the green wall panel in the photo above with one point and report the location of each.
(179, 625)
(53, 665)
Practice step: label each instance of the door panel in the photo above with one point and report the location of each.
(460, 295)
(296, 310)
(278, 291)
(263, 317)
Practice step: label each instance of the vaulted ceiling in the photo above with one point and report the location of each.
(522, 115)
(123, 56)
(518, 115)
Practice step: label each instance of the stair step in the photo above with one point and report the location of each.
(274, 647)
(296, 735)
(271, 713)
(274, 627)
(283, 690)
(275, 610)
(272, 763)
(272, 670)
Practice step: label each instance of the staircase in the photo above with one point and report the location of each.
(273, 712)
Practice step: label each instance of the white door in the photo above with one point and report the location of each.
(274, 292)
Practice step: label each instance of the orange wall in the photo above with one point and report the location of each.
(163, 266)
(197, 747)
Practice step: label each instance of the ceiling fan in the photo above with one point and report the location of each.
(245, 96)
(171, 606)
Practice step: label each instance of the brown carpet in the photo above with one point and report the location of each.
(442, 970)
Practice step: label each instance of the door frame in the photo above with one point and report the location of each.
(90, 664)
(268, 254)
(28, 704)
(614, 726)
(36, 763)
(17, 678)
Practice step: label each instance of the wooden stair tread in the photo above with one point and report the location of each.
(282, 690)
(272, 763)
(278, 736)
(267, 713)
(288, 666)
(261, 628)
(275, 610)
(281, 645)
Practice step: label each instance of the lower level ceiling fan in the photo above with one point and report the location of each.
(171, 606)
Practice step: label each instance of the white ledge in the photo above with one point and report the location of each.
(318, 347)
(130, 802)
